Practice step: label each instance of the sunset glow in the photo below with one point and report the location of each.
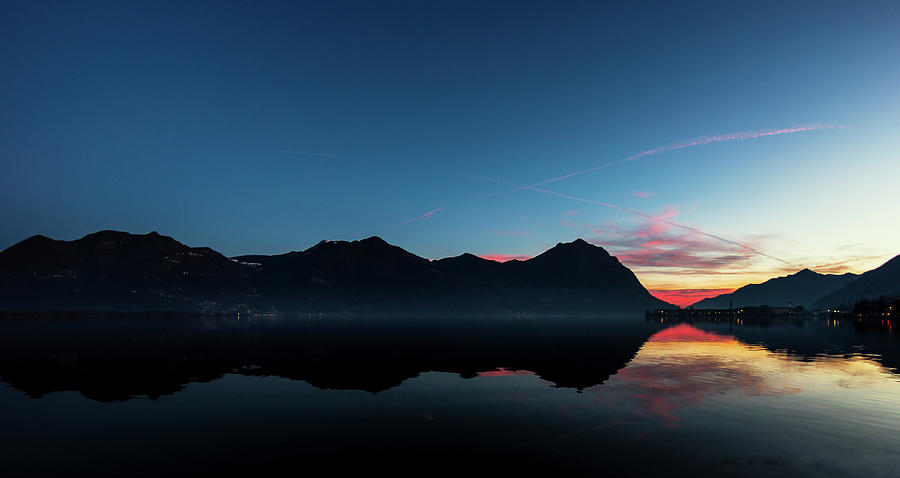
(686, 297)
(504, 257)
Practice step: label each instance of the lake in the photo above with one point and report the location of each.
(630, 396)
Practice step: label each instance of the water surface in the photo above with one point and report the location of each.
(629, 397)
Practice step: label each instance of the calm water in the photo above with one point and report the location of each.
(629, 397)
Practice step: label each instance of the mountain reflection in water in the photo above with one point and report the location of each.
(627, 397)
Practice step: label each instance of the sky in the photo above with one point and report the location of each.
(718, 143)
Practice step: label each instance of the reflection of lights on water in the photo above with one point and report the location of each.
(681, 366)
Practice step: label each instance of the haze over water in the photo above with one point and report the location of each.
(631, 396)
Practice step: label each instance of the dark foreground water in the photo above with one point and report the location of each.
(624, 397)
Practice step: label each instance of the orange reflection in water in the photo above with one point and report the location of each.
(681, 366)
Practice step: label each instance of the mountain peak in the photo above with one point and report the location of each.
(579, 242)
(581, 245)
(375, 241)
(578, 252)
(806, 272)
(104, 234)
(35, 241)
(800, 288)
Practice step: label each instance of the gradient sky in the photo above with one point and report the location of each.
(266, 128)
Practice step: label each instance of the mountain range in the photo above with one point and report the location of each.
(118, 271)
(813, 290)
(798, 289)
(883, 281)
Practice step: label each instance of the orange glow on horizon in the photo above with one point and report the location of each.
(686, 297)
(504, 257)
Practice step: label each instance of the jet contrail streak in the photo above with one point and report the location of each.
(739, 136)
(718, 138)
(642, 214)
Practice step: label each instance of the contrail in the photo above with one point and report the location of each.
(642, 214)
(739, 136)
(718, 138)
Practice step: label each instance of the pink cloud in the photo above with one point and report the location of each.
(692, 259)
(644, 194)
(504, 257)
(568, 220)
(660, 246)
(427, 215)
(660, 219)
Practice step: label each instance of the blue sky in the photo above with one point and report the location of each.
(177, 118)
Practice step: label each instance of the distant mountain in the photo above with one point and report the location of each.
(881, 282)
(115, 271)
(801, 289)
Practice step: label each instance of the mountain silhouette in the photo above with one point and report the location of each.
(801, 289)
(111, 270)
(883, 281)
(372, 275)
(106, 358)
(117, 271)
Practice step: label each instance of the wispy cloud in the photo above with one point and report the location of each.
(644, 194)
(659, 245)
(504, 257)
(568, 218)
(738, 136)
(305, 153)
(663, 219)
(427, 215)
(665, 257)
